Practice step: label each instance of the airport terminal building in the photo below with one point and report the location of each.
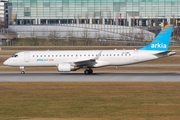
(94, 11)
(114, 18)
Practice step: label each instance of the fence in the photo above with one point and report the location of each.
(82, 35)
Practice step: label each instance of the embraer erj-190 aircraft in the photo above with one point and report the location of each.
(67, 61)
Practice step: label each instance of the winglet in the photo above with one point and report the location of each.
(97, 57)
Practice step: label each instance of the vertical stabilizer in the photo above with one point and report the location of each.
(161, 41)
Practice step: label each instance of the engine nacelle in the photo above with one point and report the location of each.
(65, 67)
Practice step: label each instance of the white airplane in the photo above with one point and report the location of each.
(67, 61)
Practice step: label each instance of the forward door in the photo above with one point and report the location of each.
(26, 56)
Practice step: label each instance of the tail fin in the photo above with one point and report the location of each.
(161, 42)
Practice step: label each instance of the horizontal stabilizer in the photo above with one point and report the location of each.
(166, 53)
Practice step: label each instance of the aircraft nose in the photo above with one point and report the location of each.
(5, 62)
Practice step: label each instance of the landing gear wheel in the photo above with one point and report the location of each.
(90, 71)
(86, 72)
(22, 72)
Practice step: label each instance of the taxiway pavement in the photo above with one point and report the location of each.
(95, 77)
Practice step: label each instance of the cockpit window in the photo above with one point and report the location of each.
(14, 56)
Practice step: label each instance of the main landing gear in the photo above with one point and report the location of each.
(88, 71)
(22, 70)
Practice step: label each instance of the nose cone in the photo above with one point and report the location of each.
(5, 62)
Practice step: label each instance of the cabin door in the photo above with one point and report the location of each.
(136, 55)
(26, 56)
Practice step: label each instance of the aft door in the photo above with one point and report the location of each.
(26, 56)
(136, 55)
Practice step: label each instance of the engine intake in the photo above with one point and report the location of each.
(65, 67)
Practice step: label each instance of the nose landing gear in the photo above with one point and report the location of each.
(22, 70)
(88, 71)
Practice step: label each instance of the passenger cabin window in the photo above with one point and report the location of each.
(44, 55)
(33, 55)
(37, 56)
(41, 55)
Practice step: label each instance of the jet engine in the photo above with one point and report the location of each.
(65, 67)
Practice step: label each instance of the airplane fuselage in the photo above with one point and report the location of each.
(106, 58)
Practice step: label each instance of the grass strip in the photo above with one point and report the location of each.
(90, 101)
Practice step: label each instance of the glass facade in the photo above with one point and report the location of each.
(63, 9)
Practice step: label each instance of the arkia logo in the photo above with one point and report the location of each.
(158, 45)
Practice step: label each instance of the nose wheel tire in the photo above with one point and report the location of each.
(22, 72)
(90, 71)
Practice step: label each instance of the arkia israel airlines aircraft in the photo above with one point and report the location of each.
(67, 61)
